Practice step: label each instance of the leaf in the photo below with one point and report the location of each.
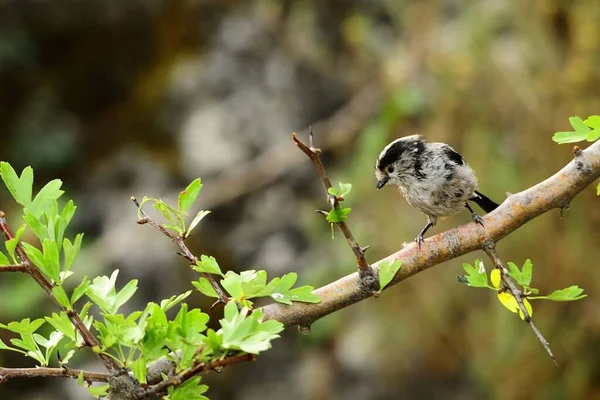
(125, 294)
(36, 256)
(593, 135)
(38, 228)
(99, 391)
(338, 215)
(80, 290)
(199, 216)
(3, 259)
(523, 278)
(387, 271)
(62, 323)
(19, 187)
(49, 193)
(593, 121)
(71, 250)
(205, 288)
(11, 244)
(138, 367)
(207, 264)
(61, 297)
(598, 190)
(578, 124)
(345, 188)
(65, 359)
(474, 277)
(509, 301)
(571, 293)
(51, 259)
(189, 195)
(241, 331)
(189, 390)
(495, 278)
(232, 283)
(173, 300)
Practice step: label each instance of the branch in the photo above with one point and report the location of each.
(518, 209)
(185, 251)
(88, 338)
(368, 278)
(43, 372)
(190, 372)
(22, 267)
(490, 250)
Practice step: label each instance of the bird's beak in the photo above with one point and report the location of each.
(381, 183)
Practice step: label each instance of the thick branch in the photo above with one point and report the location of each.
(43, 372)
(368, 278)
(555, 192)
(88, 338)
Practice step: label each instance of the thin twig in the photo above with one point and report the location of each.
(43, 372)
(190, 372)
(22, 267)
(185, 251)
(490, 249)
(88, 338)
(367, 277)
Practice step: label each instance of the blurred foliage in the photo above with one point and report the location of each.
(120, 98)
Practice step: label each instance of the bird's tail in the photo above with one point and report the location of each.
(485, 203)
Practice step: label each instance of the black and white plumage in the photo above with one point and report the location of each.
(432, 177)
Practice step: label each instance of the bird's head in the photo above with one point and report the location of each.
(399, 160)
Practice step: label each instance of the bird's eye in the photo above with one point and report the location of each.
(390, 169)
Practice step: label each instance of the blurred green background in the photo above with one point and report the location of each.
(138, 98)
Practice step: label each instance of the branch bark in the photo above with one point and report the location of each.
(518, 209)
(9, 373)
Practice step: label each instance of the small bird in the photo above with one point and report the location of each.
(432, 177)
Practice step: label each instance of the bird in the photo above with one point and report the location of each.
(433, 178)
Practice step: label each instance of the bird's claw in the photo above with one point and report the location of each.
(419, 239)
(478, 219)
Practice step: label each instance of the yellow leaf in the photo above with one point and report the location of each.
(509, 301)
(495, 278)
(528, 308)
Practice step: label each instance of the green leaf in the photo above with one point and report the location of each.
(189, 390)
(475, 278)
(3, 346)
(102, 292)
(99, 391)
(189, 195)
(232, 283)
(338, 215)
(80, 380)
(38, 228)
(125, 294)
(244, 332)
(593, 121)
(598, 190)
(3, 259)
(44, 199)
(19, 187)
(205, 288)
(344, 189)
(51, 259)
(578, 124)
(138, 367)
(199, 216)
(166, 304)
(11, 244)
(523, 278)
(71, 250)
(283, 293)
(61, 296)
(571, 293)
(80, 290)
(35, 255)
(387, 271)
(207, 264)
(62, 323)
